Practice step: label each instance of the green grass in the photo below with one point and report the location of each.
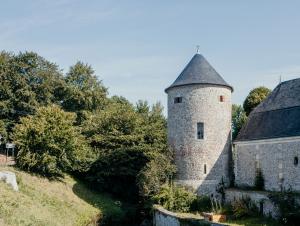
(253, 222)
(41, 202)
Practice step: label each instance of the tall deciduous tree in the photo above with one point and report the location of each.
(84, 91)
(27, 82)
(130, 141)
(254, 98)
(238, 119)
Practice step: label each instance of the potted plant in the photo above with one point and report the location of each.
(218, 212)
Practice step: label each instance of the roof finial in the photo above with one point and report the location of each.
(197, 48)
(280, 79)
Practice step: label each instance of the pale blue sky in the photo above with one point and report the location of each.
(138, 48)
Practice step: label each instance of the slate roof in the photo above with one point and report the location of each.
(199, 71)
(277, 116)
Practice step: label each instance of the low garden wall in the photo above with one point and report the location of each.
(163, 217)
(259, 197)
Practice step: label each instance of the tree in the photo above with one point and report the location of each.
(254, 98)
(49, 144)
(84, 91)
(3, 133)
(28, 81)
(238, 119)
(130, 141)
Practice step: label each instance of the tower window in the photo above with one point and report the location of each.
(200, 130)
(177, 100)
(204, 168)
(222, 98)
(296, 161)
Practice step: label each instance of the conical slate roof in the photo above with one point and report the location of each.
(277, 116)
(199, 71)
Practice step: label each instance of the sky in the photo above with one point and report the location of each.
(138, 48)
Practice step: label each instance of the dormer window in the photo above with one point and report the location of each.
(177, 100)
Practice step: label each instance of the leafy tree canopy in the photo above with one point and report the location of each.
(254, 98)
(239, 118)
(84, 90)
(130, 141)
(49, 144)
(27, 82)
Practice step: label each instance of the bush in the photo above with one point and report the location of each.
(48, 144)
(244, 207)
(259, 180)
(201, 204)
(156, 173)
(289, 209)
(175, 198)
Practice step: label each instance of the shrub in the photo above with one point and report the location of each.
(288, 208)
(201, 204)
(48, 144)
(156, 173)
(175, 198)
(259, 182)
(244, 207)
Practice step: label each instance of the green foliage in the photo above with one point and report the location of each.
(287, 205)
(217, 206)
(48, 144)
(201, 204)
(156, 173)
(259, 182)
(84, 92)
(131, 146)
(3, 132)
(244, 207)
(175, 198)
(239, 118)
(27, 82)
(254, 98)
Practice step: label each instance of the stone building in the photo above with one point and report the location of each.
(270, 141)
(199, 126)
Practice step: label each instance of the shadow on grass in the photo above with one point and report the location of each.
(255, 222)
(111, 210)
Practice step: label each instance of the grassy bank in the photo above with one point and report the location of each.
(43, 202)
(253, 222)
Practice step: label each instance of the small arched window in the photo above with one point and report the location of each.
(296, 161)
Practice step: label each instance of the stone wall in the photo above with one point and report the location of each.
(257, 197)
(200, 103)
(275, 158)
(163, 217)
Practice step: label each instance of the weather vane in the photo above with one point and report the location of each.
(197, 48)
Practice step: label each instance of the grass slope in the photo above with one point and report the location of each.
(42, 202)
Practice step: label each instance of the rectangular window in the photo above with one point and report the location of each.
(177, 100)
(222, 98)
(200, 130)
(204, 168)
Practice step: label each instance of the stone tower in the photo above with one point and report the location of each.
(199, 126)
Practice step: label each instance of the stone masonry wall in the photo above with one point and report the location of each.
(256, 197)
(275, 158)
(163, 217)
(200, 103)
